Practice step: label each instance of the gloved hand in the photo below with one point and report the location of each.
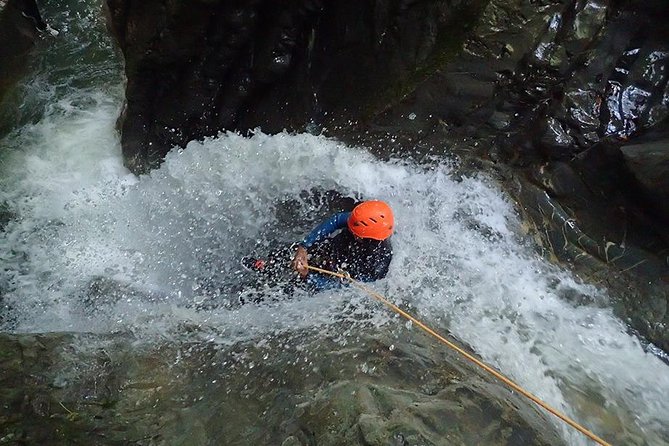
(300, 262)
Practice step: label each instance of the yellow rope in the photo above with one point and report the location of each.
(470, 357)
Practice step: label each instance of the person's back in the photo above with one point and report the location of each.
(364, 259)
(356, 242)
(362, 248)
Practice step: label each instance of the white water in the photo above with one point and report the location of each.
(175, 238)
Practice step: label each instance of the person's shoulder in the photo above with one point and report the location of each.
(341, 217)
(387, 244)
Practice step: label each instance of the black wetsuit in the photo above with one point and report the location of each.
(332, 246)
(364, 259)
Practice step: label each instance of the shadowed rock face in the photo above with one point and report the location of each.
(18, 31)
(195, 68)
(648, 161)
(596, 82)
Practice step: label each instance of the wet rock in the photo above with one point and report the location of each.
(637, 277)
(599, 72)
(67, 389)
(196, 69)
(648, 160)
(594, 83)
(599, 207)
(18, 31)
(556, 143)
(560, 180)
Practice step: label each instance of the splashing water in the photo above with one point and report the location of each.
(89, 247)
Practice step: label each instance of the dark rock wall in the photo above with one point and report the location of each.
(585, 122)
(196, 68)
(566, 100)
(597, 78)
(19, 22)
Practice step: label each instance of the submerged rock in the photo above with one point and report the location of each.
(67, 388)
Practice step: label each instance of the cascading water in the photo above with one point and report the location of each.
(88, 247)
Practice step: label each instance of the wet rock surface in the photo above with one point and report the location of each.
(195, 68)
(71, 389)
(18, 31)
(594, 84)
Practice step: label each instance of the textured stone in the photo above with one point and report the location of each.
(17, 38)
(289, 390)
(194, 70)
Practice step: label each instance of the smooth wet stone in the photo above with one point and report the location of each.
(649, 163)
(196, 70)
(291, 390)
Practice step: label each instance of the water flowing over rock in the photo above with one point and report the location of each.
(120, 295)
(544, 93)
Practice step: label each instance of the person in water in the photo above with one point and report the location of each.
(356, 242)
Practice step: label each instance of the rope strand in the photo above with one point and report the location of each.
(468, 356)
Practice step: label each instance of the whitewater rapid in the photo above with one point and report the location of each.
(88, 247)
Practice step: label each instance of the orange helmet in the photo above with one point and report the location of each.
(372, 219)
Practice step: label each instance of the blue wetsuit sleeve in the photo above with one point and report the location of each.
(332, 224)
